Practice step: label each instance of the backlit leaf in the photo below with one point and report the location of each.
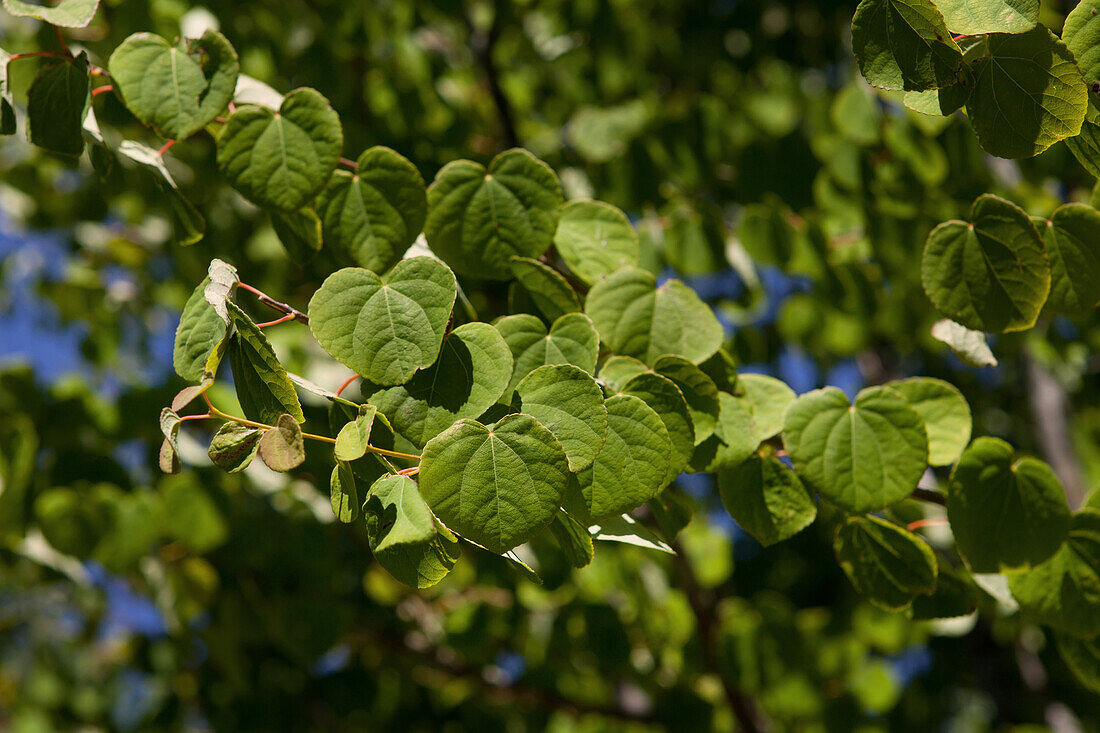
(66, 13)
(945, 413)
(904, 44)
(353, 438)
(989, 16)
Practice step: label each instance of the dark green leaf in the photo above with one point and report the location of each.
(263, 388)
(735, 436)
(884, 562)
(299, 231)
(548, 290)
(904, 44)
(573, 538)
(57, 101)
(1072, 239)
(767, 499)
(699, 391)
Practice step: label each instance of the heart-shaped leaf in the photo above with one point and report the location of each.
(57, 102)
(990, 274)
(374, 214)
(1072, 239)
(861, 457)
(384, 329)
(630, 468)
(234, 446)
(1028, 93)
(66, 13)
(479, 219)
(885, 562)
(568, 402)
(496, 485)
(419, 565)
(1064, 591)
(1005, 514)
(945, 413)
(177, 90)
(618, 370)
(595, 239)
(735, 436)
(767, 499)
(636, 318)
(470, 375)
(990, 16)
(768, 399)
(263, 387)
(572, 339)
(403, 516)
(281, 160)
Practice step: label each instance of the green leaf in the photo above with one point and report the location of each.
(299, 231)
(263, 387)
(176, 90)
(281, 160)
(595, 239)
(66, 13)
(767, 499)
(402, 515)
(765, 233)
(1086, 146)
(952, 598)
(945, 413)
(768, 400)
(573, 538)
(1071, 235)
(572, 339)
(384, 329)
(904, 44)
(1081, 34)
(342, 493)
(989, 16)
(1083, 659)
(628, 531)
(600, 134)
(618, 370)
(418, 565)
(939, 102)
(699, 391)
(189, 222)
(673, 510)
(479, 219)
(354, 437)
(567, 401)
(1028, 93)
(549, 291)
(735, 436)
(282, 447)
(991, 274)
(496, 485)
(374, 214)
(470, 375)
(665, 398)
(635, 318)
(630, 468)
(1006, 515)
(885, 562)
(234, 446)
(1064, 591)
(970, 346)
(861, 457)
(169, 459)
(57, 101)
(201, 331)
(7, 102)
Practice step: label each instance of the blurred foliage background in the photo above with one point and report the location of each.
(757, 165)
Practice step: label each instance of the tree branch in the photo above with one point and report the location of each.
(482, 44)
(1050, 408)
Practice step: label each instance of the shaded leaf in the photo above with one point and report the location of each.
(1072, 239)
(282, 447)
(665, 398)
(299, 232)
(234, 446)
(548, 290)
(767, 499)
(57, 101)
(263, 387)
(573, 539)
(887, 564)
(698, 390)
(904, 44)
(343, 494)
(402, 515)
(735, 436)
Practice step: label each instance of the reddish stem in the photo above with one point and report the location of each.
(936, 522)
(232, 108)
(185, 418)
(102, 90)
(349, 164)
(61, 40)
(164, 149)
(344, 386)
(38, 54)
(276, 322)
(412, 471)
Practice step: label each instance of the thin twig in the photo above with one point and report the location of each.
(483, 44)
(934, 497)
(102, 90)
(272, 303)
(165, 148)
(345, 385)
(276, 322)
(61, 40)
(349, 164)
(38, 54)
(932, 522)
